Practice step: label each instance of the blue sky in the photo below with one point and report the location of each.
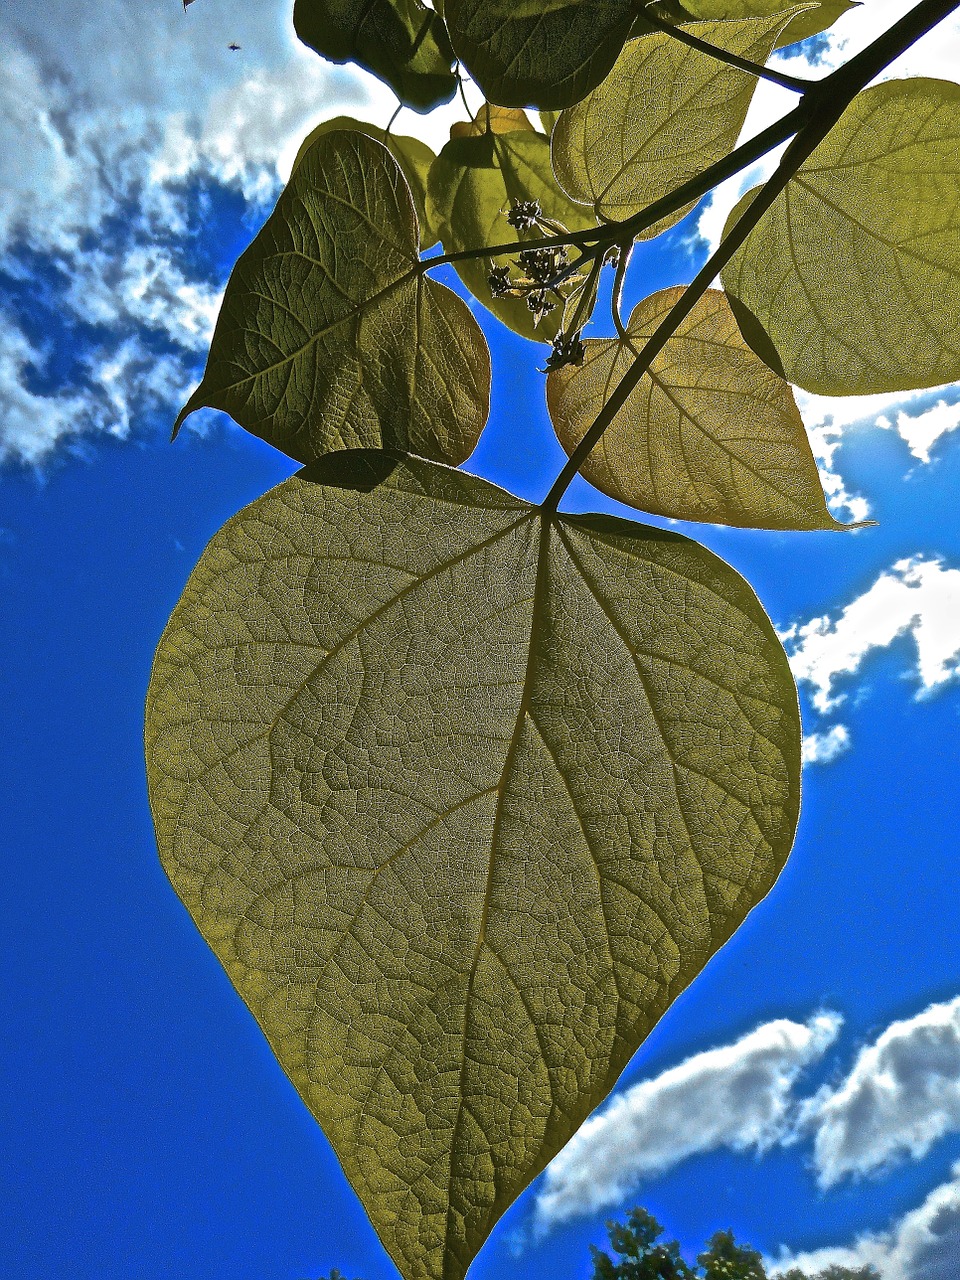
(805, 1090)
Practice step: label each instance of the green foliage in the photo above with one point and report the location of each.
(678, 446)
(330, 337)
(854, 275)
(463, 791)
(401, 41)
(664, 113)
(387, 682)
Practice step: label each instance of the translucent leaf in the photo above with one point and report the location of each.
(472, 187)
(664, 114)
(709, 434)
(413, 156)
(542, 53)
(492, 119)
(810, 22)
(462, 799)
(329, 337)
(400, 41)
(850, 283)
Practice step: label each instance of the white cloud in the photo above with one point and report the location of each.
(902, 1094)
(919, 597)
(117, 108)
(824, 748)
(923, 1245)
(922, 430)
(737, 1096)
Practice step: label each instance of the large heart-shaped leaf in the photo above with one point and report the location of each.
(401, 41)
(542, 53)
(413, 156)
(809, 22)
(472, 186)
(663, 115)
(330, 337)
(710, 433)
(850, 283)
(462, 796)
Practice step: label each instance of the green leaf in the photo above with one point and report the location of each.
(329, 336)
(852, 277)
(413, 156)
(400, 41)
(462, 797)
(542, 53)
(709, 434)
(664, 114)
(471, 189)
(810, 22)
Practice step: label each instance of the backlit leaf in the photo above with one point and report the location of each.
(472, 187)
(810, 22)
(413, 156)
(852, 277)
(462, 799)
(329, 337)
(664, 114)
(709, 434)
(401, 41)
(542, 53)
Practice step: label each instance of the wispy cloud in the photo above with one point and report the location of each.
(919, 597)
(825, 747)
(737, 1096)
(901, 1096)
(922, 1245)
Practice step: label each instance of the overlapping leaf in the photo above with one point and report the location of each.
(710, 433)
(462, 798)
(413, 156)
(330, 337)
(401, 41)
(850, 283)
(810, 22)
(543, 53)
(472, 186)
(663, 115)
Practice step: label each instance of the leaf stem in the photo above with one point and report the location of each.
(794, 83)
(825, 108)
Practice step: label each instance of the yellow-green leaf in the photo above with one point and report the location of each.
(852, 277)
(663, 115)
(542, 53)
(472, 186)
(401, 41)
(462, 798)
(810, 22)
(413, 156)
(709, 434)
(492, 119)
(330, 337)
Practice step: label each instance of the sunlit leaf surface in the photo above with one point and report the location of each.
(413, 156)
(711, 433)
(663, 115)
(850, 283)
(472, 187)
(543, 53)
(329, 337)
(462, 799)
(401, 41)
(810, 21)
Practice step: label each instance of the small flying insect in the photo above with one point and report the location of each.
(233, 47)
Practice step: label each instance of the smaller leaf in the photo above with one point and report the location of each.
(710, 433)
(663, 115)
(472, 187)
(545, 53)
(850, 282)
(330, 337)
(413, 156)
(402, 42)
(491, 119)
